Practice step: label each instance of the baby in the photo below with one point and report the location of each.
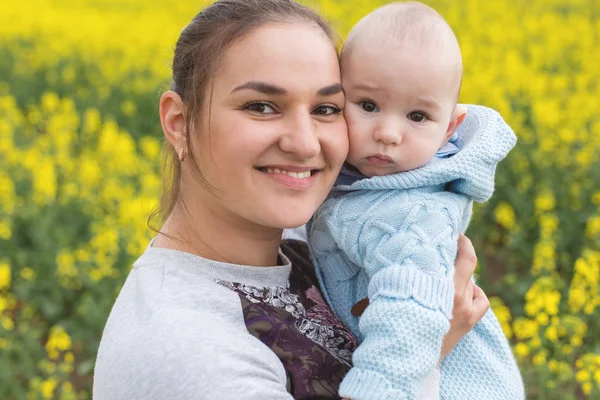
(388, 231)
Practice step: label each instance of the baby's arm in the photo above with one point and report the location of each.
(430, 389)
(408, 254)
(485, 350)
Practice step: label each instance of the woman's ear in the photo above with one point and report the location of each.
(172, 119)
(457, 118)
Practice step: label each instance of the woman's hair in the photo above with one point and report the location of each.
(199, 50)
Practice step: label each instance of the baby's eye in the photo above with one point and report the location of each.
(417, 116)
(260, 108)
(327, 110)
(368, 106)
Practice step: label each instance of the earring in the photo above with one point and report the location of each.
(181, 154)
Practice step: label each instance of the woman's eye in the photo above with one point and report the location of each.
(327, 110)
(417, 116)
(368, 106)
(260, 108)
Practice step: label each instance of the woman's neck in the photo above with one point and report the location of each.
(197, 230)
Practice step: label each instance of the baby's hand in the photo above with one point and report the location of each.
(470, 302)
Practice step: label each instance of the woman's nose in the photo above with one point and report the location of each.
(301, 137)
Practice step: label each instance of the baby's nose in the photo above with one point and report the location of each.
(389, 134)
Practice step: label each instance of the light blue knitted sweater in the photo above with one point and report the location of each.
(394, 238)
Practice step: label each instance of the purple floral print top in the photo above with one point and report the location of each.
(295, 322)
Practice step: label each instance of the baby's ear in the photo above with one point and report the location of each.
(457, 118)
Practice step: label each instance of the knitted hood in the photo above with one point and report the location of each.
(484, 139)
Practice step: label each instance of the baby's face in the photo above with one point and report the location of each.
(399, 104)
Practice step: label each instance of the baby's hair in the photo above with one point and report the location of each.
(405, 24)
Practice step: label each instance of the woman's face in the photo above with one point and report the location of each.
(272, 138)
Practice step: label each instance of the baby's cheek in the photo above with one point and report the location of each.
(359, 137)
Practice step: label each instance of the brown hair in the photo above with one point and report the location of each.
(198, 52)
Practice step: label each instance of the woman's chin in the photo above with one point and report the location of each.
(291, 223)
(290, 220)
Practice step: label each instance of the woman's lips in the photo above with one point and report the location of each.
(380, 160)
(301, 179)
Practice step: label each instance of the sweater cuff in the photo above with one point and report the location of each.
(361, 384)
(431, 387)
(404, 282)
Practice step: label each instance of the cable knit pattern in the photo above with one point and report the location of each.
(394, 238)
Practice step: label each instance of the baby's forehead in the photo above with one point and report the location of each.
(414, 29)
(408, 25)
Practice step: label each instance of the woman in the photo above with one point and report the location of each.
(218, 306)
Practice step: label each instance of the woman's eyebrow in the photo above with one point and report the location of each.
(271, 89)
(330, 90)
(261, 87)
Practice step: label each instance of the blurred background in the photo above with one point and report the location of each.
(80, 162)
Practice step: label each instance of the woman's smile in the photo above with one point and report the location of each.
(291, 177)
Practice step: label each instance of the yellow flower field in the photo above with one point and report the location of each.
(80, 162)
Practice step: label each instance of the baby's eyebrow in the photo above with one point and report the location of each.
(429, 102)
(364, 86)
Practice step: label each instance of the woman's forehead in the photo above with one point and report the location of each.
(288, 55)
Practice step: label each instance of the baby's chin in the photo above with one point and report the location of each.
(370, 170)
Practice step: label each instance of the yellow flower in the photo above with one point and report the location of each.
(551, 333)
(128, 108)
(5, 276)
(92, 121)
(524, 328)
(583, 376)
(67, 391)
(596, 198)
(576, 341)
(7, 193)
(502, 314)
(65, 263)
(69, 358)
(539, 358)
(48, 387)
(69, 74)
(44, 181)
(542, 318)
(548, 224)
(7, 323)
(58, 341)
(505, 216)
(521, 350)
(545, 201)
(5, 230)
(150, 147)
(593, 227)
(27, 273)
(50, 101)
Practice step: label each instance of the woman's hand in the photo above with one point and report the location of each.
(470, 302)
